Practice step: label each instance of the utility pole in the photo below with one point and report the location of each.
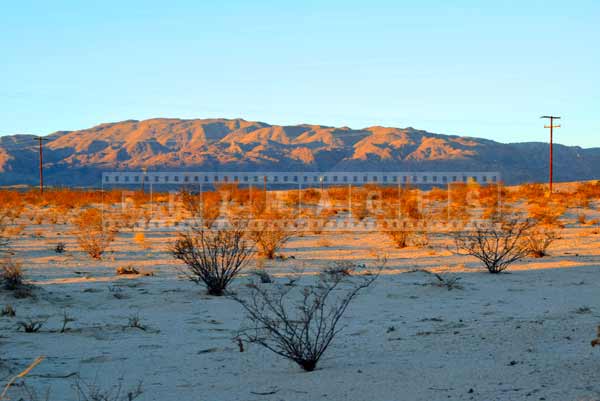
(551, 126)
(40, 139)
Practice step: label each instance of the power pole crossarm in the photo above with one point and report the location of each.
(551, 167)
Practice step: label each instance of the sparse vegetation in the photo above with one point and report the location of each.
(94, 392)
(94, 232)
(539, 240)
(263, 276)
(213, 257)
(8, 311)
(271, 234)
(135, 322)
(204, 208)
(497, 243)
(299, 322)
(31, 325)
(60, 247)
(127, 270)
(11, 274)
(341, 268)
(65, 321)
(450, 282)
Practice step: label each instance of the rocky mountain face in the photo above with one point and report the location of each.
(79, 157)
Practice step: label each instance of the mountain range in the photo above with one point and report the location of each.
(77, 158)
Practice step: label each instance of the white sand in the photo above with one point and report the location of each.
(524, 335)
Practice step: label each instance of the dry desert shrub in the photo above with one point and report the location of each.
(263, 276)
(299, 322)
(547, 212)
(409, 203)
(127, 270)
(311, 196)
(404, 230)
(204, 208)
(338, 193)
(11, 274)
(31, 325)
(403, 237)
(359, 207)
(437, 195)
(66, 320)
(128, 219)
(60, 247)
(92, 391)
(398, 233)
(211, 208)
(531, 192)
(584, 194)
(8, 310)
(539, 240)
(342, 267)
(491, 197)
(459, 201)
(271, 233)
(94, 232)
(258, 202)
(213, 257)
(292, 198)
(444, 280)
(497, 244)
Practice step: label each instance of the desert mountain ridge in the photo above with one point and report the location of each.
(79, 157)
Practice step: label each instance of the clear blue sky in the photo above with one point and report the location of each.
(478, 68)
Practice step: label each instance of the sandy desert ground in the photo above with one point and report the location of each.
(521, 335)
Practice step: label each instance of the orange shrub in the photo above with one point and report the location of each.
(94, 232)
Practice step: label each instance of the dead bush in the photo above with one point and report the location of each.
(213, 257)
(211, 208)
(127, 270)
(341, 268)
(263, 276)
(539, 240)
(547, 212)
(450, 282)
(66, 319)
(31, 325)
(399, 237)
(271, 234)
(91, 391)
(8, 310)
(11, 274)
(405, 233)
(94, 232)
(299, 322)
(60, 247)
(135, 322)
(497, 244)
(311, 196)
(204, 207)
